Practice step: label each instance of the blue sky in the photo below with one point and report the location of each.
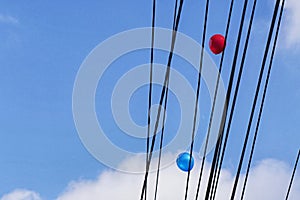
(43, 45)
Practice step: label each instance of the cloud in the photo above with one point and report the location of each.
(7, 19)
(292, 23)
(21, 195)
(268, 180)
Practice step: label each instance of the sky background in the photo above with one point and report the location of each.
(42, 45)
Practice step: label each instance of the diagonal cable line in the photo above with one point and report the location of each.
(255, 99)
(163, 124)
(163, 93)
(263, 100)
(197, 98)
(160, 146)
(228, 94)
(215, 95)
(150, 85)
(215, 171)
(235, 95)
(293, 175)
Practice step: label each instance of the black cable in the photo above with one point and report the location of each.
(151, 84)
(163, 123)
(255, 99)
(263, 100)
(215, 171)
(213, 165)
(175, 13)
(228, 94)
(215, 94)
(197, 98)
(292, 178)
(163, 93)
(160, 146)
(217, 174)
(235, 95)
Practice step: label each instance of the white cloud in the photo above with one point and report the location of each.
(21, 195)
(8, 19)
(292, 23)
(268, 181)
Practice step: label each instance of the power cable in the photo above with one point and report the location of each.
(197, 97)
(263, 100)
(228, 94)
(163, 93)
(255, 99)
(292, 178)
(235, 95)
(151, 84)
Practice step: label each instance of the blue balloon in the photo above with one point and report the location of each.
(183, 160)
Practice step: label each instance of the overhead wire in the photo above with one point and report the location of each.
(293, 175)
(263, 100)
(160, 147)
(215, 95)
(215, 171)
(232, 109)
(151, 84)
(163, 123)
(255, 100)
(214, 174)
(228, 94)
(197, 97)
(163, 93)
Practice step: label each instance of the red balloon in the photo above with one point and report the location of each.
(217, 43)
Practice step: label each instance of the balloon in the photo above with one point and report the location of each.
(217, 43)
(183, 160)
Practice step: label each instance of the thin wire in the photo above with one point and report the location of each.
(197, 99)
(160, 146)
(235, 94)
(163, 93)
(255, 99)
(228, 94)
(175, 13)
(215, 95)
(263, 100)
(215, 171)
(163, 124)
(151, 84)
(213, 165)
(292, 178)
